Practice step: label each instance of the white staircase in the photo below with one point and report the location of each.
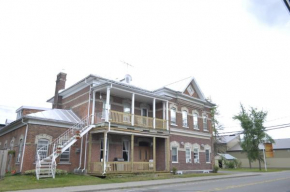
(46, 155)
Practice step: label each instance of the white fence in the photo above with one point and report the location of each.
(3, 161)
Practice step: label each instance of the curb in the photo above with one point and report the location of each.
(166, 183)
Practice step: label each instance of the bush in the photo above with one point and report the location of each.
(238, 164)
(174, 170)
(215, 169)
(231, 165)
(58, 172)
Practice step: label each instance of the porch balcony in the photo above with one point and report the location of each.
(111, 153)
(139, 121)
(128, 106)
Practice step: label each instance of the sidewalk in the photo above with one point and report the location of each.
(103, 187)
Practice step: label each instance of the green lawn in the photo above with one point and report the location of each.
(253, 170)
(21, 182)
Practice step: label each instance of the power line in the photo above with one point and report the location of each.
(282, 126)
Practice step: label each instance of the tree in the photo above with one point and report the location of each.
(254, 133)
(216, 127)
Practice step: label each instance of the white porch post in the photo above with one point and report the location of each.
(105, 152)
(93, 108)
(163, 109)
(154, 112)
(167, 116)
(132, 109)
(108, 104)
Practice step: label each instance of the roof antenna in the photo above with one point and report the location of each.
(125, 63)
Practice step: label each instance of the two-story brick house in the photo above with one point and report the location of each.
(123, 129)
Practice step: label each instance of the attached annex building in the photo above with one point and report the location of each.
(103, 126)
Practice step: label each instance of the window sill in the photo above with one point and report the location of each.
(208, 162)
(174, 125)
(174, 162)
(196, 129)
(205, 130)
(185, 127)
(64, 163)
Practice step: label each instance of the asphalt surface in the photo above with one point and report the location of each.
(272, 182)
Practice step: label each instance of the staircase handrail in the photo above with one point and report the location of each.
(65, 136)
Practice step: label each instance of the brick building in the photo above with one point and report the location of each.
(103, 126)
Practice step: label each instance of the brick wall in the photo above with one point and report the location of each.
(182, 165)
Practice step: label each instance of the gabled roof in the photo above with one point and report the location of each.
(57, 114)
(279, 144)
(180, 86)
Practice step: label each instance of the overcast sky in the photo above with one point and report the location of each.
(238, 51)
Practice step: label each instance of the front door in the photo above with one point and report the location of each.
(144, 154)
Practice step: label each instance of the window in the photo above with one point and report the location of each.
(126, 147)
(184, 119)
(207, 154)
(190, 90)
(195, 121)
(188, 155)
(64, 157)
(174, 155)
(144, 114)
(173, 115)
(5, 145)
(205, 123)
(20, 150)
(12, 144)
(127, 109)
(42, 146)
(196, 155)
(102, 150)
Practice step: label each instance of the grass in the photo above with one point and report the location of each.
(253, 170)
(22, 182)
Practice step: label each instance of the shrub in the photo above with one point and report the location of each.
(231, 165)
(58, 172)
(174, 170)
(215, 169)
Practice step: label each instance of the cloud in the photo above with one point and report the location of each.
(270, 12)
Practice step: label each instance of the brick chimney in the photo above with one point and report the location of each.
(60, 84)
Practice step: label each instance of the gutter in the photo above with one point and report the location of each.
(24, 146)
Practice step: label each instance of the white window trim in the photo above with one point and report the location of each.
(197, 155)
(204, 116)
(176, 154)
(183, 119)
(21, 146)
(196, 128)
(171, 109)
(207, 162)
(186, 159)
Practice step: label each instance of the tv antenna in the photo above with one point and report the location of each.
(128, 64)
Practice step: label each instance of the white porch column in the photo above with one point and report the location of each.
(167, 116)
(105, 151)
(154, 113)
(108, 104)
(132, 109)
(163, 113)
(93, 108)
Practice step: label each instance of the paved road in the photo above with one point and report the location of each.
(272, 182)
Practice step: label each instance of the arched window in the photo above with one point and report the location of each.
(20, 150)
(173, 115)
(184, 119)
(205, 123)
(42, 147)
(195, 121)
